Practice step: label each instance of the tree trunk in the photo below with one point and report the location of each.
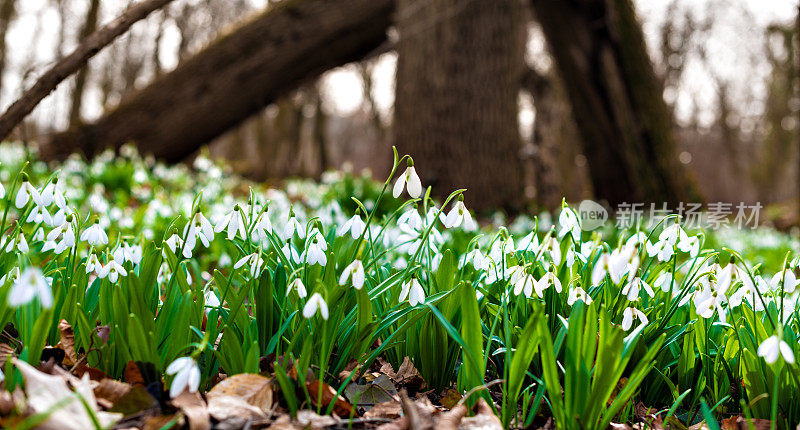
(616, 98)
(7, 11)
(235, 77)
(89, 27)
(458, 78)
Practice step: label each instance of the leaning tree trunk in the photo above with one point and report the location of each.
(235, 77)
(7, 12)
(458, 72)
(616, 98)
(89, 27)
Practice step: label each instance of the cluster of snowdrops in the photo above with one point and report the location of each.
(198, 273)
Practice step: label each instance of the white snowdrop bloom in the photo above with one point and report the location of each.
(628, 315)
(93, 264)
(253, 260)
(547, 280)
(30, 284)
(11, 276)
(187, 376)
(262, 228)
(2, 191)
(26, 193)
(662, 249)
(774, 347)
(291, 252)
(354, 272)
(95, 235)
(631, 289)
(126, 252)
(316, 302)
(316, 250)
(569, 223)
(639, 239)
(523, 283)
(52, 193)
(297, 285)
(39, 235)
(458, 214)
(475, 258)
(552, 248)
(19, 243)
(113, 271)
(67, 235)
(39, 214)
(355, 225)
(409, 180)
(412, 290)
(211, 299)
(730, 275)
(234, 223)
(608, 264)
(174, 243)
(789, 280)
(707, 300)
(664, 281)
(746, 293)
(411, 218)
(576, 294)
(690, 245)
(198, 228)
(293, 227)
(529, 243)
(60, 217)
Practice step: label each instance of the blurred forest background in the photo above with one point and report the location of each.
(519, 101)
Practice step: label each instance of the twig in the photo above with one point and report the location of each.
(73, 62)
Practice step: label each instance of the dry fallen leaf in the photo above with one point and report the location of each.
(739, 422)
(109, 391)
(253, 389)
(132, 374)
(224, 408)
(6, 352)
(379, 390)
(48, 392)
(67, 342)
(391, 410)
(407, 376)
(328, 395)
(484, 418)
(194, 408)
(450, 398)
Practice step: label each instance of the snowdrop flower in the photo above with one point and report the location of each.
(316, 250)
(523, 282)
(2, 191)
(576, 294)
(211, 299)
(53, 193)
(730, 275)
(93, 264)
(413, 290)
(552, 249)
(38, 215)
(746, 293)
(293, 227)
(112, 270)
(125, 252)
(314, 303)
(632, 288)
(12, 276)
(569, 223)
(262, 228)
(297, 285)
(789, 280)
(67, 241)
(773, 347)
(475, 258)
(95, 235)
(29, 285)
(662, 249)
(664, 281)
(627, 317)
(355, 272)
(174, 243)
(19, 242)
(354, 225)
(529, 243)
(411, 218)
(410, 180)
(458, 214)
(608, 264)
(547, 280)
(234, 222)
(187, 376)
(198, 228)
(690, 245)
(254, 260)
(290, 252)
(26, 193)
(707, 300)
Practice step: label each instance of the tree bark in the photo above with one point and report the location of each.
(89, 27)
(75, 61)
(235, 77)
(7, 12)
(458, 78)
(616, 98)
